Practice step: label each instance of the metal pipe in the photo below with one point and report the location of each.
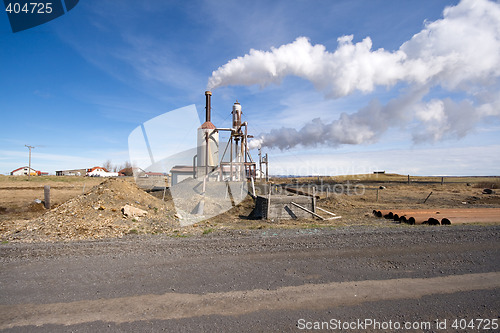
(231, 161)
(195, 158)
(237, 152)
(224, 129)
(260, 163)
(246, 146)
(307, 210)
(208, 107)
(324, 210)
(267, 168)
(446, 216)
(206, 154)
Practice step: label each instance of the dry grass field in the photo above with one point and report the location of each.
(90, 208)
(18, 193)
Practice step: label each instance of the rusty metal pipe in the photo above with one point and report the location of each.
(444, 216)
(208, 107)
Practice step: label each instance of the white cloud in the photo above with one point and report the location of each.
(364, 126)
(351, 67)
(463, 46)
(442, 118)
(459, 53)
(461, 49)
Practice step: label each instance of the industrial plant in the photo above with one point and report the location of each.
(228, 160)
(216, 182)
(221, 169)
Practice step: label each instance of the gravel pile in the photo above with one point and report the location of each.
(98, 214)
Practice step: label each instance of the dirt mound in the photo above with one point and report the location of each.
(98, 214)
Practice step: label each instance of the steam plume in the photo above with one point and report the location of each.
(459, 53)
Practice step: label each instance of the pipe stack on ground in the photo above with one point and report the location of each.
(442, 216)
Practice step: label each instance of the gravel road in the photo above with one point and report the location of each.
(255, 280)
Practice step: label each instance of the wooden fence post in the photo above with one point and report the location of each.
(46, 194)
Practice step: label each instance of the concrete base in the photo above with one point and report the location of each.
(280, 207)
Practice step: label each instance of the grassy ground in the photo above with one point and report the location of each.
(45, 179)
(377, 191)
(391, 178)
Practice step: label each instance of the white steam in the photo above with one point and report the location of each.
(364, 126)
(459, 53)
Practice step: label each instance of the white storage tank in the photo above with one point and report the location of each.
(207, 129)
(236, 115)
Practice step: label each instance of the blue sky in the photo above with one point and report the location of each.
(76, 87)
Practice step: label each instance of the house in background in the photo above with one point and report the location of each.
(25, 171)
(97, 171)
(100, 172)
(130, 171)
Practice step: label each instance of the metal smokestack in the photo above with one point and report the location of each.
(208, 107)
(236, 115)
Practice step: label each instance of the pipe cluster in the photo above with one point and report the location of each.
(441, 217)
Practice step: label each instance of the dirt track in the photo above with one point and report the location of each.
(252, 280)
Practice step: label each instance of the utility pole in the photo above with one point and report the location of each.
(29, 166)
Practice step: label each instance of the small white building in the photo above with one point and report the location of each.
(24, 171)
(180, 173)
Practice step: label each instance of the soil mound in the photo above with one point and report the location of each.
(98, 214)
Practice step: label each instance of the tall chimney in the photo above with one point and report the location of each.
(208, 94)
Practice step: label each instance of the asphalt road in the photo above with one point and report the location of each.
(360, 278)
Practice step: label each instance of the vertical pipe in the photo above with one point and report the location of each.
(195, 159)
(208, 107)
(242, 159)
(260, 163)
(206, 153)
(314, 199)
(231, 160)
(246, 151)
(267, 168)
(245, 147)
(268, 201)
(408, 179)
(237, 152)
(253, 186)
